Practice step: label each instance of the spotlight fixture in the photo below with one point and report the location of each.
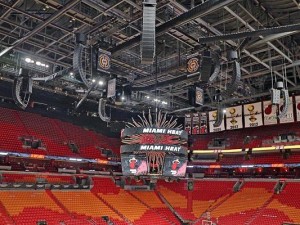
(101, 82)
(147, 96)
(71, 74)
(164, 103)
(38, 63)
(28, 60)
(224, 111)
(93, 80)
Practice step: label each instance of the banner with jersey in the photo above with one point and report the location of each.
(196, 123)
(111, 88)
(234, 118)
(289, 117)
(297, 103)
(188, 123)
(212, 115)
(270, 113)
(203, 123)
(253, 115)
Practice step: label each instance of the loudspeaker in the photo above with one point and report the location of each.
(206, 66)
(275, 96)
(80, 38)
(192, 96)
(148, 33)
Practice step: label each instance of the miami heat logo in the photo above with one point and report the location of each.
(104, 61)
(174, 166)
(193, 65)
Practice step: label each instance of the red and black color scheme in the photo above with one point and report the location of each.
(154, 148)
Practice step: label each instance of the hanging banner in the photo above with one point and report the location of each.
(193, 64)
(188, 123)
(253, 115)
(111, 88)
(203, 123)
(199, 96)
(196, 123)
(270, 113)
(212, 118)
(289, 117)
(234, 119)
(103, 61)
(297, 103)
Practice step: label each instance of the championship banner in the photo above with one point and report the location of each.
(297, 101)
(234, 119)
(253, 115)
(203, 123)
(134, 164)
(174, 166)
(103, 64)
(193, 64)
(111, 88)
(188, 123)
(289, 117)
(196, 123)
(270, 113)
(199, 98)
(212, 118)
(165, 148)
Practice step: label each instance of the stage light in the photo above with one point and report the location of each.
(47, 66)
(156, 100)
(123, 98)
(93, 80)
(164, 103)
(38, 63)
(224, 111)
(71, 74)
(101, 82)
(28, 60)
(147, 96)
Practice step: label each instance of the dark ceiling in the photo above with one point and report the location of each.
(43, 30)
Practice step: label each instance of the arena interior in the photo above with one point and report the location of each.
(149, 112)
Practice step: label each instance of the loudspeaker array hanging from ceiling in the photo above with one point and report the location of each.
(148, 33)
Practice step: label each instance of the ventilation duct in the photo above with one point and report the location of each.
(54, 75)
(101, 110)
(285, 104)
(148, 33)
(22, 90)
(220, 117)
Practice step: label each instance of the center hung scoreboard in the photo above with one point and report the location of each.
(154, 151)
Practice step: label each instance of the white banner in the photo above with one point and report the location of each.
(289, 117)
(234, 119)
(111, 88)
(188, 123)
(297, 101)
(196, 123)
(270, 113)
(212, 118)
(253, 115)
(203, 123)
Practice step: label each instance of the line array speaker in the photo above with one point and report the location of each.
(148, 33)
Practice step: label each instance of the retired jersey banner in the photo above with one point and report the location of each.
(199, 98)
(234, 118)
(196, 123)
(212, 118)
(203, 123)
(270, 113)
(188, 123)
(297, 101)
(253, 115)
(289, 117)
